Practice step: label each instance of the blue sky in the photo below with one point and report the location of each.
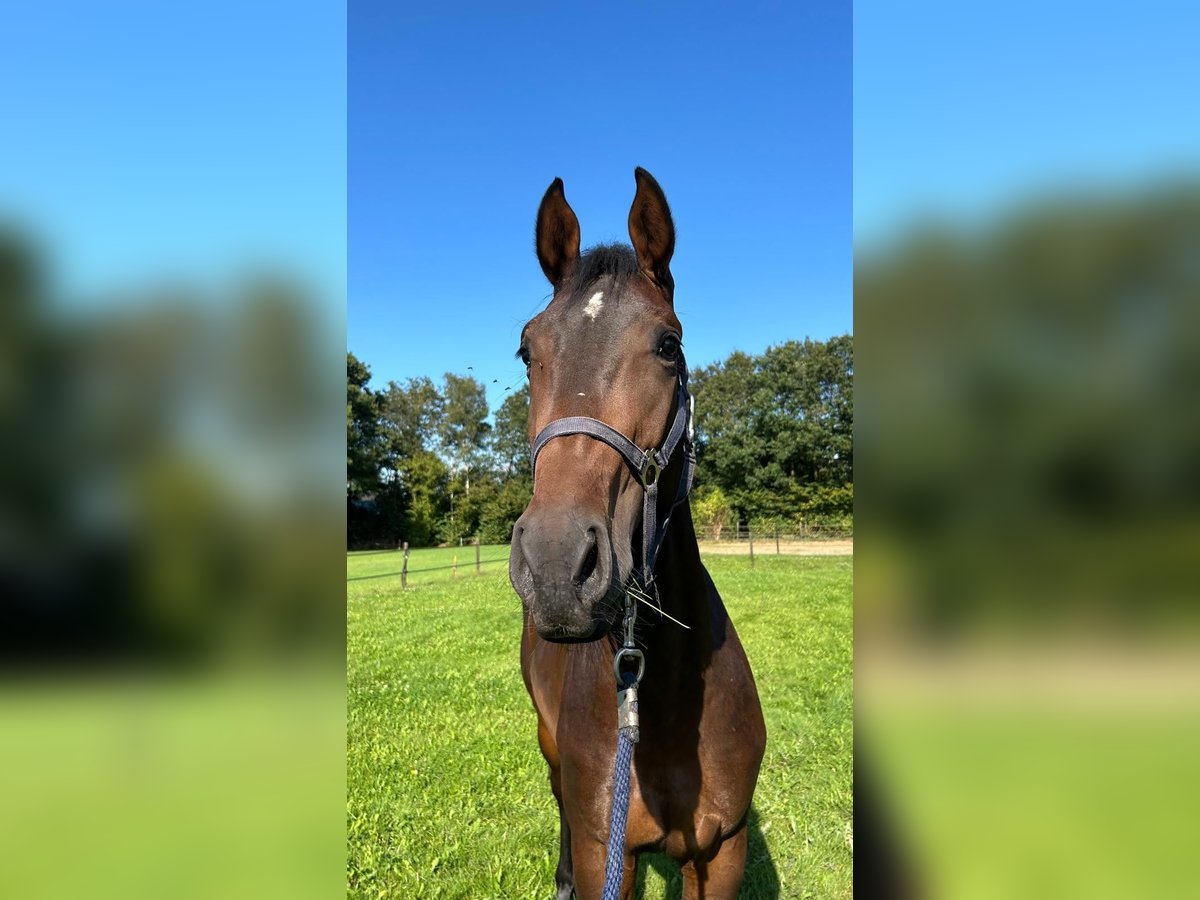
(153, 141)
(149, 140)
(459, 118)
(966, 111)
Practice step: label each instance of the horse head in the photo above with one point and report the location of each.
(608, 347)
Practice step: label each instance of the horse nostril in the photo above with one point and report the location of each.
(587, 564)
(520, 572)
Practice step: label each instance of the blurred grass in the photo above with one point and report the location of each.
(1026, 450)
(1065, 802)
(447, 791)
(172, 306)
(187, 788)
(171, 475)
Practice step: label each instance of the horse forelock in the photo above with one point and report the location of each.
(613, 261)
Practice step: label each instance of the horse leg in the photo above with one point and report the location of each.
(564, 881)
(588, 855)
(718, 878)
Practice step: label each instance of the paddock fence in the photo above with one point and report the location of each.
(471, 558)
(779, 539)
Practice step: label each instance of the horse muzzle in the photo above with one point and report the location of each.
(562, 567)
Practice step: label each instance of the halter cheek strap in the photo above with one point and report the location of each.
(647, 464)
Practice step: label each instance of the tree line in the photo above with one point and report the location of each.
(773, 437)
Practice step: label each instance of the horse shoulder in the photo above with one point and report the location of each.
(543, 666)
(733, 733)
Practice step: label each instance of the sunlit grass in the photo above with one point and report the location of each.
(427, 565)
(447, 792)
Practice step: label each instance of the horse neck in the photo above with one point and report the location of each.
(683, 589)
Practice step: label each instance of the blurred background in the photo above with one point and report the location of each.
(1027, 278)
(172, 271)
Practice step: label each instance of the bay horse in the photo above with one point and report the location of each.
(608, 347)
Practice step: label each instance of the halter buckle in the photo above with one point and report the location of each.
(650, 468)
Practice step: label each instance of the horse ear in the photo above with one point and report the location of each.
(557, 233)
(652, 231)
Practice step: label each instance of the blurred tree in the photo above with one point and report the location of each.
(1031, 418)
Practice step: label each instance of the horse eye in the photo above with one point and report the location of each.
(668, 347)
(523, 356)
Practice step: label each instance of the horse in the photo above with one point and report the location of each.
(607, 350)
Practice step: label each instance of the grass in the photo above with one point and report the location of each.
(1093, 799)
(447, 793)
(191, 787)
(426, 566)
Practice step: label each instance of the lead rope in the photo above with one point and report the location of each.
(627, 736)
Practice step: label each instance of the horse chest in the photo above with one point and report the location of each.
(684, 794)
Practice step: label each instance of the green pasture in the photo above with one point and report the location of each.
(1091, 798)
(447, 793)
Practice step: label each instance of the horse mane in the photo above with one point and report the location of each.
(616, 261)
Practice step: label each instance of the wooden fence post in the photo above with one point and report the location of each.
(477, 569)
(776, 540)
(750, 536)
(404, 569)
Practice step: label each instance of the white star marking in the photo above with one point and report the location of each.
(594, 305)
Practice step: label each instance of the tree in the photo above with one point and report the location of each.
(411, 416)
(510, 436)
(768, 426)
(502, 510)
(809, 408)
(426, 480)
(731, 448)
(364, 447)
(464, 427)
(711, 511)
(773, 441)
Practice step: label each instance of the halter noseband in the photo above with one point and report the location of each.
(647, 465)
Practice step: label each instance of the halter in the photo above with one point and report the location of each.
(647, 464)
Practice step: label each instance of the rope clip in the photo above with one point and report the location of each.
(650, 467)
(634, 655)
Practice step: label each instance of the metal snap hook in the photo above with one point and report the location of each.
(632, 654)
(650, 468)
